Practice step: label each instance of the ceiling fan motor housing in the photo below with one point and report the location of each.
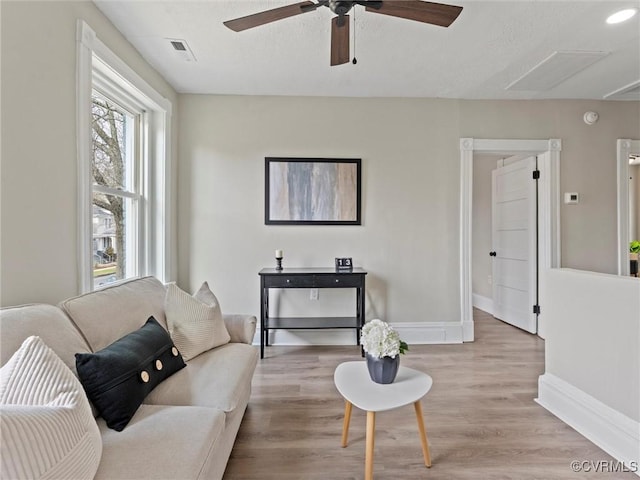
(340, 7)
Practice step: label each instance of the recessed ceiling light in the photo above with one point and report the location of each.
(622, 15)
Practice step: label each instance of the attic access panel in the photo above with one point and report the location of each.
(313, 191)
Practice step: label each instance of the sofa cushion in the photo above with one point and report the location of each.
(195, 323)
(161, 442)
(106, 315)
(218, 378)
(47, 322)
(241, 328)
(48, 430)
(119, 377)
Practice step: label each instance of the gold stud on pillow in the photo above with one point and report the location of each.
(144, 376)
(158, 365)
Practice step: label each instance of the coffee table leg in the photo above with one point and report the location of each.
(371, 430)
(345, 425)
(423, 434)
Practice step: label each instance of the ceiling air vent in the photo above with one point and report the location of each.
(178, 45)
(180, 48)
(555, 69)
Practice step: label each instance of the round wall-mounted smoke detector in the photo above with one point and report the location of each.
(590, 118)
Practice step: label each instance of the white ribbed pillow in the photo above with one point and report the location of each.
(195, 323)
(48, 430)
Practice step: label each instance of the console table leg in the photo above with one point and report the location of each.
(262, 315)
(423, 434)
(360, 306)
(345, 424)
(371, 431)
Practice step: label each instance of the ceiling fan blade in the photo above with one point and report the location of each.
(268, 16)
(313, 6)
(340, 40)
(426, 12)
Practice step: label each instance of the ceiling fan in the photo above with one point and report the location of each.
(418, 10)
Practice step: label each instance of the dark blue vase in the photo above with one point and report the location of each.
(383, 370)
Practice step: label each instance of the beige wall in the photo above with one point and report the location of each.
(38, 191)
(588, 165)
(409, 240)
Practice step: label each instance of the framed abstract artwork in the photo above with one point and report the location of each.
(312, 191)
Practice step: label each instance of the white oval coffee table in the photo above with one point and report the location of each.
(354, 384)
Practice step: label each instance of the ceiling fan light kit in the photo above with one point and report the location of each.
(417, 10)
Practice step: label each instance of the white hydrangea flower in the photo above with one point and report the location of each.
(379, 339)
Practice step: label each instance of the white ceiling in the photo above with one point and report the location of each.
(489, 47)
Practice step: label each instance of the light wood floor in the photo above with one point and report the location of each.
(480, 416)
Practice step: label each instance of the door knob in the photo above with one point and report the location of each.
(492, 254)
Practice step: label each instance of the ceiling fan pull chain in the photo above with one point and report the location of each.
(354, 61)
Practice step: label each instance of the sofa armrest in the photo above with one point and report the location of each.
(241, 328)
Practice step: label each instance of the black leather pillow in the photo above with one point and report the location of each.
(119, 377)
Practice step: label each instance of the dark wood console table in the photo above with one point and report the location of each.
(309, 278)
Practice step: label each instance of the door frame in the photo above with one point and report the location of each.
(548, 152)
(624, 147)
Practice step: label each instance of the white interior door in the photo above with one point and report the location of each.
(514, 240)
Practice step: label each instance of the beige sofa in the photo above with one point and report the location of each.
(187, 425)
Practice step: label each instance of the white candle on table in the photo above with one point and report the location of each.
(279, 254)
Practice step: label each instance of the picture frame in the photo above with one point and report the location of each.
(313, 191)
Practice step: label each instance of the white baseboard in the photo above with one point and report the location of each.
(468, 331)
(483, 303)
(424, 333)
(416, 333)
(615, 433)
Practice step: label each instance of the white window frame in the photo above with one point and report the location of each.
(135, 240)
(98, 65)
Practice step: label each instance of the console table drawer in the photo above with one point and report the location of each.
(338, 281)
(293, 281)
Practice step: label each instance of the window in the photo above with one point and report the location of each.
(115, 170)
(123, 165)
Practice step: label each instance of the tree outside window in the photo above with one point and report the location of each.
(114, 196)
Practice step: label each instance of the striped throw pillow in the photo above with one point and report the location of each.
(48, 430)
(195, 323)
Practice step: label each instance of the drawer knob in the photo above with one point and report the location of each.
(288, 281)
(337, 280)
